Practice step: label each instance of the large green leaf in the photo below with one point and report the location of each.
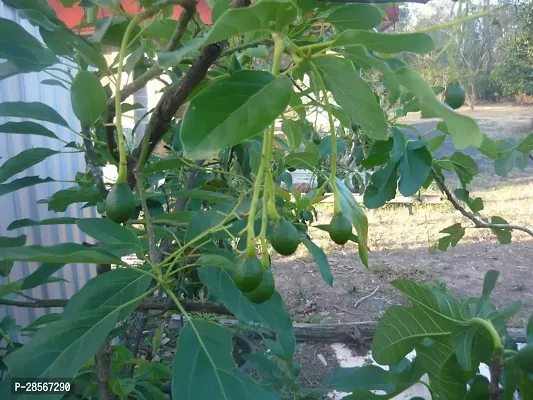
(382, 187)
(25, 54)
(463, 342)
(445, 373)
(454, 233)
(107, 231)
(61, 253)
(239, 107)
(264, 16)
(33, 110)
(272, 312)
(353, 95)
(24, 160)
(88, 97)
(109, 290)
(27, 128)
(433, 314)
(61, 199)
(25, 222)
(464, 165)
(464, 130)
(60, 349)
(415, 167)
(21, 183)
(320, 258)
(355, 16)
(18, 241)
(387, 42)
(204, 367)
(39, 5)
(303, 160)
(40, 275)
(351, 208)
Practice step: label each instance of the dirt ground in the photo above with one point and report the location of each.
(401, 240)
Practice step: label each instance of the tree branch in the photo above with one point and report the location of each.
(148, 303)
(478, 223)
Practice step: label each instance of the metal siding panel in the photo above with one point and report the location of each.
(23, 203)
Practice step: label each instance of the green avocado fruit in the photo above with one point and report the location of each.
(524, 358)
(316, 138)
(120, 204)
(340, 229)
(284, 238)
(454, 95)
(248, 275)
(264, 291)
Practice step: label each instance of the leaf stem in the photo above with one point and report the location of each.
(498, 346)
(336, 202)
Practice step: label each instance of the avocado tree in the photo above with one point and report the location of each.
(207, 191)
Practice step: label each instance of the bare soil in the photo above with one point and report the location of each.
(401, 240)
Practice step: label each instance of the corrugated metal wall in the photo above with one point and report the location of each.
(23, 203)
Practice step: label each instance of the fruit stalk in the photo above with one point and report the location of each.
(123, 162)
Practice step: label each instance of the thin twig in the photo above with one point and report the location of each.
(358, 302)
(478, 223)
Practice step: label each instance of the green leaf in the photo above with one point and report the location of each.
(251, 102)
(463, 342)
(382, 187)
(61, 253)
(454, 233)
(293, 131)
(40, 275)
(40, 5)
(25, 222)
(219, 8)
(61, 199)
(204, 366)
(464, 130)
(389, 43)
(37, 18)
(88, 97)
(89, 53)
(27, 128)
(64, 346)
(475, 205)
(302, 160)
(325, 148)
(271, 313)
(445, 373)
(489, 148)
(352, 93)
(169, 59)
(465, 166)
(355, 16)
(33, 110)
(529, 330)
(164, 165)
(18, 241)
(24, 160)
(107, 231)
(504, 235)
(415, 167)
(320, 258)
(489, 282)
(264, 16)
(178, 216)
(435, 143)
(526, 145)
(378, 154)
(215, 260)
(433, 314)
(110, 290)
(21, 183)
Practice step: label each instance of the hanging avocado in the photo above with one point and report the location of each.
(120, 203)
(284, 238)
(316, 138)
(454, 95)
(264, 291)
(248, 274)
(340, 229)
